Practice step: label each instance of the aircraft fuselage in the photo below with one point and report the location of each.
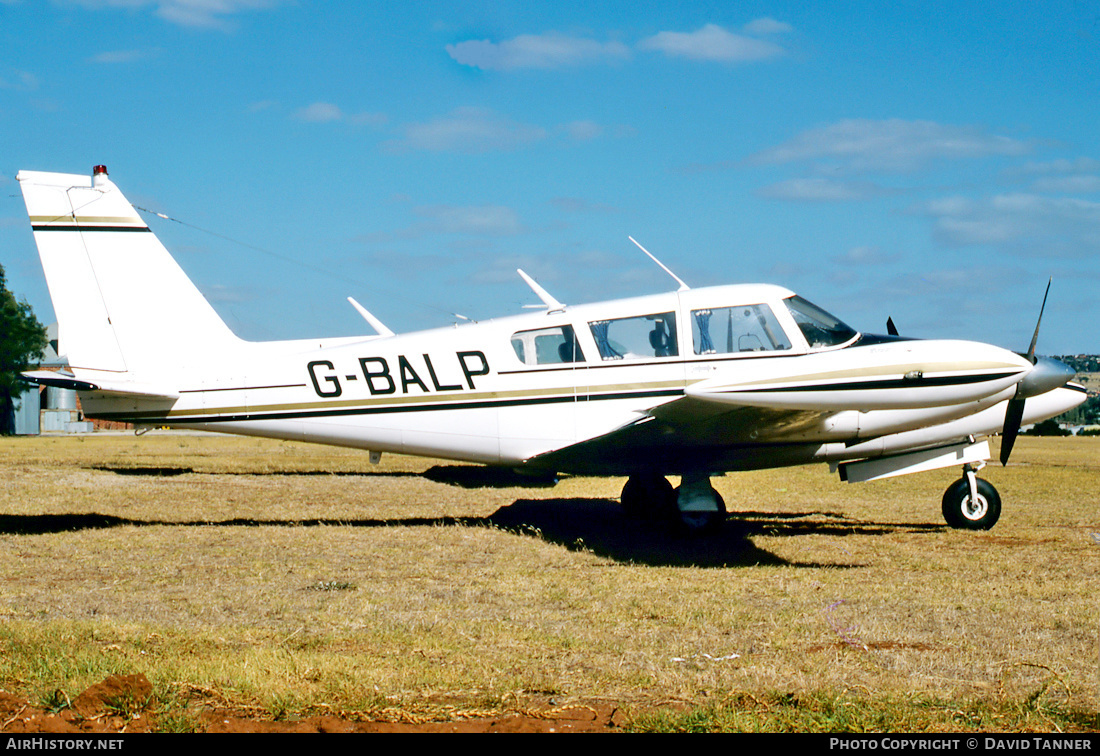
(483, 392)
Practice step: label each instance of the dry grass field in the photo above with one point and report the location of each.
(278, 581)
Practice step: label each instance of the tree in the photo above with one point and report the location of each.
(1049, 428)
(22, 339)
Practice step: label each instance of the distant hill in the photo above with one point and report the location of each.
(1082, 363)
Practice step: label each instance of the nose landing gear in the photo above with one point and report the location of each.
(971, 503)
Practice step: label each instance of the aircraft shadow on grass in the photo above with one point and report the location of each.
(595, 525)
(171, 472)
(463, 476)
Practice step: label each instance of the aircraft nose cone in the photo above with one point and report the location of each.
(1047, 375)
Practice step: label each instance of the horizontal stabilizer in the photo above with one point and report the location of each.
(119, 388)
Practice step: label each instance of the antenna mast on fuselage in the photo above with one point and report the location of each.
(683, 286)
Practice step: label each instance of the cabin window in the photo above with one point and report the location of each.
(819, 327)
(547, 346)
(728, 330)
(637, 338)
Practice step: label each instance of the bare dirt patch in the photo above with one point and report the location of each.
(601, 718)
(118, 704)
(124, 703)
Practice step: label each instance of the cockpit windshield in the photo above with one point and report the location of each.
(819, 327)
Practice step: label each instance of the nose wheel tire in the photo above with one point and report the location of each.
(962, 511)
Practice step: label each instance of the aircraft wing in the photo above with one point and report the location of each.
(754, 417)
(688, 431)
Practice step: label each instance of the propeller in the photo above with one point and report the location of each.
(1046, 375)
(1014, 415)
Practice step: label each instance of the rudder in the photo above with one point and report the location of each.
(122, 303)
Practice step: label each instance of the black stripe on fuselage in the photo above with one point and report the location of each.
(56, 227)
(393, 409)
(242, 388)
(893, 383)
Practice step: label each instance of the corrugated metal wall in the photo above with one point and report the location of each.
(27, 407)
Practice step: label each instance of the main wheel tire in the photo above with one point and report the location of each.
(960, 512)
(648, 496)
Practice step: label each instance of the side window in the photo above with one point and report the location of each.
(547, 346)
(636, 338)
(727, 330)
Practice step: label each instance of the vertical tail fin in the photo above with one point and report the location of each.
(122, 303)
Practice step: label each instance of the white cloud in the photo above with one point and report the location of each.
(619, 276)
(1063, 165)
(478, 220)
(1022, 222)
(475, 131)
(470, 130)
(579, 205)
(1077, 184)
(583, 131)
(212, 14)
(551, 50)
(713, 43)
(23, 81)
(555, 50)
(866, 256)
(768, 26)
(326, 112)
(889, 145)
(319, 112)
(819, 190)
(366, 119)
(1063, 176)
(119, 56)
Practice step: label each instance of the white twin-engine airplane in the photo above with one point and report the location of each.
(689, 383)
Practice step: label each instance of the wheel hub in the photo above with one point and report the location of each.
(974, 508)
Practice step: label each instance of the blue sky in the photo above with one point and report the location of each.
(933, 162)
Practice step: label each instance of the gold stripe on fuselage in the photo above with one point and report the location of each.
(449, 400)
(884, 371)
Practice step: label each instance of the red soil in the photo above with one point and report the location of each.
(122, 703)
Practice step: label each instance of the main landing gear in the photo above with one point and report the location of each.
(971, 503)
(695, 506)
